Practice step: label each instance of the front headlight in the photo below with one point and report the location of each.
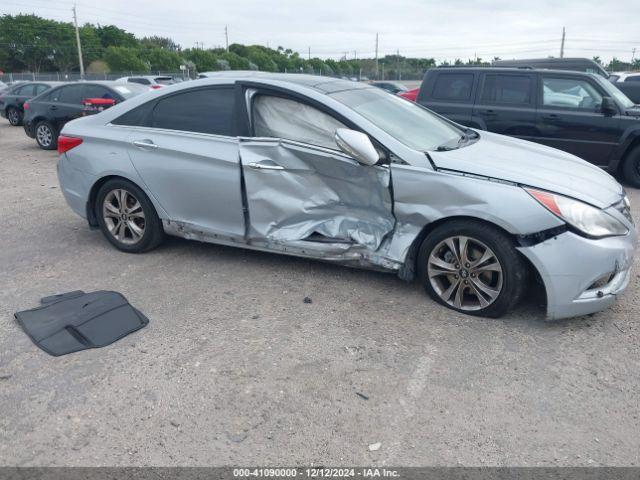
(591, 221)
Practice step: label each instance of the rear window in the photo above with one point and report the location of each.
(453, 86)
(141, 81)
(164, 80)
(511, 89)
(97, 91)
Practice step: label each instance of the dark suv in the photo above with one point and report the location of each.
(46, 114)
(12, 100)
(580, 113)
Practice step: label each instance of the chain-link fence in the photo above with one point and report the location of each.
(74, 76)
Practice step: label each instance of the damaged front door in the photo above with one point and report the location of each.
(301, 191)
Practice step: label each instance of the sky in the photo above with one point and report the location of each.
(444, 30)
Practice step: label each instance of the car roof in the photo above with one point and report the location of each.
(316, 82)
(513, 70)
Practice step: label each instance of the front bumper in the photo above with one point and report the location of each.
(28, 129)
(572, 268)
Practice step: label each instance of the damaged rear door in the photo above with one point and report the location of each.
(302, 191)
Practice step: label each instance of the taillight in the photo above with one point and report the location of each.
(67, 143)
(25, 106)
(155, 87)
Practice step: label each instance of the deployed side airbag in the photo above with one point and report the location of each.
(75, 321)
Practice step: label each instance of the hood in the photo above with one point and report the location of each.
(532, 164)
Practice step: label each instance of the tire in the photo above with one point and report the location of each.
(631, 167)
(135, 229)
(14, 116)
(46, 135)
(466, 284)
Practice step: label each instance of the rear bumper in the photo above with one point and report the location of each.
(570, 265)
(75, 185)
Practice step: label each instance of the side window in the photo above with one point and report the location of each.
(40, 88)
(26, 90)
(138, 117)
(97, 91)
(69, 94)
(507, 89)
(288, 119)
(570, 93)
(634, 78)
(453, 86)
(206, 110)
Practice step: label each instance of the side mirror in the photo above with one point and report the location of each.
(608, 107)
(358, 145)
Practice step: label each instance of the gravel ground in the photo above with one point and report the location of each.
(235, 368)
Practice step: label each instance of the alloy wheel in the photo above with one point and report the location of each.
(465, 273)
(44, 135)
(13, 116)
(123, 216)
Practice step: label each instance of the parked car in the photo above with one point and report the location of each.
(622, 77)
(343, 172)
(631, 90)
(46, 114)
(391, 87)
(628, 83)
(3, 86)
(580, 113)
(411, 95)
(151, 81)
(12, 100)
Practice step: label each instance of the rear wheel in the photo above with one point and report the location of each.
(631, 167)
(14, 116)
(471, 267)
(127, 217)
(46, 136)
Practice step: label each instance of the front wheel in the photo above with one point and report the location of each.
(631, 167)
(472, 267)
(127, 217)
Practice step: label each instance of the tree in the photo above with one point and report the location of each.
(164, 43)
(161, 60)
(112, 36)
(124, 59)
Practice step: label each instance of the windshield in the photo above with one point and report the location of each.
(406, 121)
(614, 92)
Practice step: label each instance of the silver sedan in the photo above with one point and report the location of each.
(343, 172)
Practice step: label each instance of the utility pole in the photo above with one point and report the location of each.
(355, 55)
(226, 36)
(562, 44)
(633, 54)
(376, 56)
(75, 22)
(398, 64)
(309, 53)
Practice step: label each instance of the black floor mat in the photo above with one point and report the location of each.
(74, 321)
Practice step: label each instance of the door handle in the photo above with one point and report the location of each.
(489, 112)
(53, 107)
(144, 144)
(551, 116)
(264, 166)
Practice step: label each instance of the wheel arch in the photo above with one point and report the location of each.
(95, 188)
(408, 270)
(635, 143)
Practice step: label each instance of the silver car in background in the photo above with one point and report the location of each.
(343, 172)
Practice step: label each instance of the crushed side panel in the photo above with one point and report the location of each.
(316, 192)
